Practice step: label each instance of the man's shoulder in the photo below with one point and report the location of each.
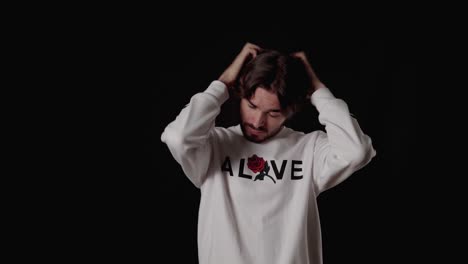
(297, 135)
(223, 133)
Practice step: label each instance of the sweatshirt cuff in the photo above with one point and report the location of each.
(219, 90)
(321, 97)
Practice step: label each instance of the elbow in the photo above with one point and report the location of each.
(179, 139)
(362, 155)
(172, 138)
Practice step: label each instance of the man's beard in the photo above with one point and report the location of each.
(257, 139)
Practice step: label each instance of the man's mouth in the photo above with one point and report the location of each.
(255, 131)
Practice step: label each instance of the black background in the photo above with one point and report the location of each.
(384, 213)
(101, 185)
(394, 76)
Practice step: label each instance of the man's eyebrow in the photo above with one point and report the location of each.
(271, 110)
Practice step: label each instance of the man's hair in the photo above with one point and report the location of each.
(279, 73)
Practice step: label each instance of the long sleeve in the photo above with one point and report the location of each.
(188, 136)
(344, 148)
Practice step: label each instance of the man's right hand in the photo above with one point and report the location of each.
(248, 52)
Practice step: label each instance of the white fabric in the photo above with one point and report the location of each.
(274, 220)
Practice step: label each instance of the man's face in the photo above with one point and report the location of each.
(261, 115)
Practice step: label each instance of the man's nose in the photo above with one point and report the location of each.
(259, 120)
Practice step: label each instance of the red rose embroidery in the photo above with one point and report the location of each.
(256, 164)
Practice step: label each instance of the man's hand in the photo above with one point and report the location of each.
(315, 81)
(229, 76)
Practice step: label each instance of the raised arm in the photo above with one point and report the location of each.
(188, 137)
(229, 76)
(315, 82)
(344, 148)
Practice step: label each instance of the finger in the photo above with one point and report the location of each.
(299, 54)
(257, 48)
(254, 53)
(252, 45)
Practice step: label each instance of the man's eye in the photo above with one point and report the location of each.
(274, 115)
(251, 106)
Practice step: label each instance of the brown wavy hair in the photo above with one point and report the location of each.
(279, 73)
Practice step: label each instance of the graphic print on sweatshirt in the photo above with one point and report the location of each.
(261, 168)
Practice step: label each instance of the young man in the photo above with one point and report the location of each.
(259, 180)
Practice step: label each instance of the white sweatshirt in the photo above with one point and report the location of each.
(258, 200)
